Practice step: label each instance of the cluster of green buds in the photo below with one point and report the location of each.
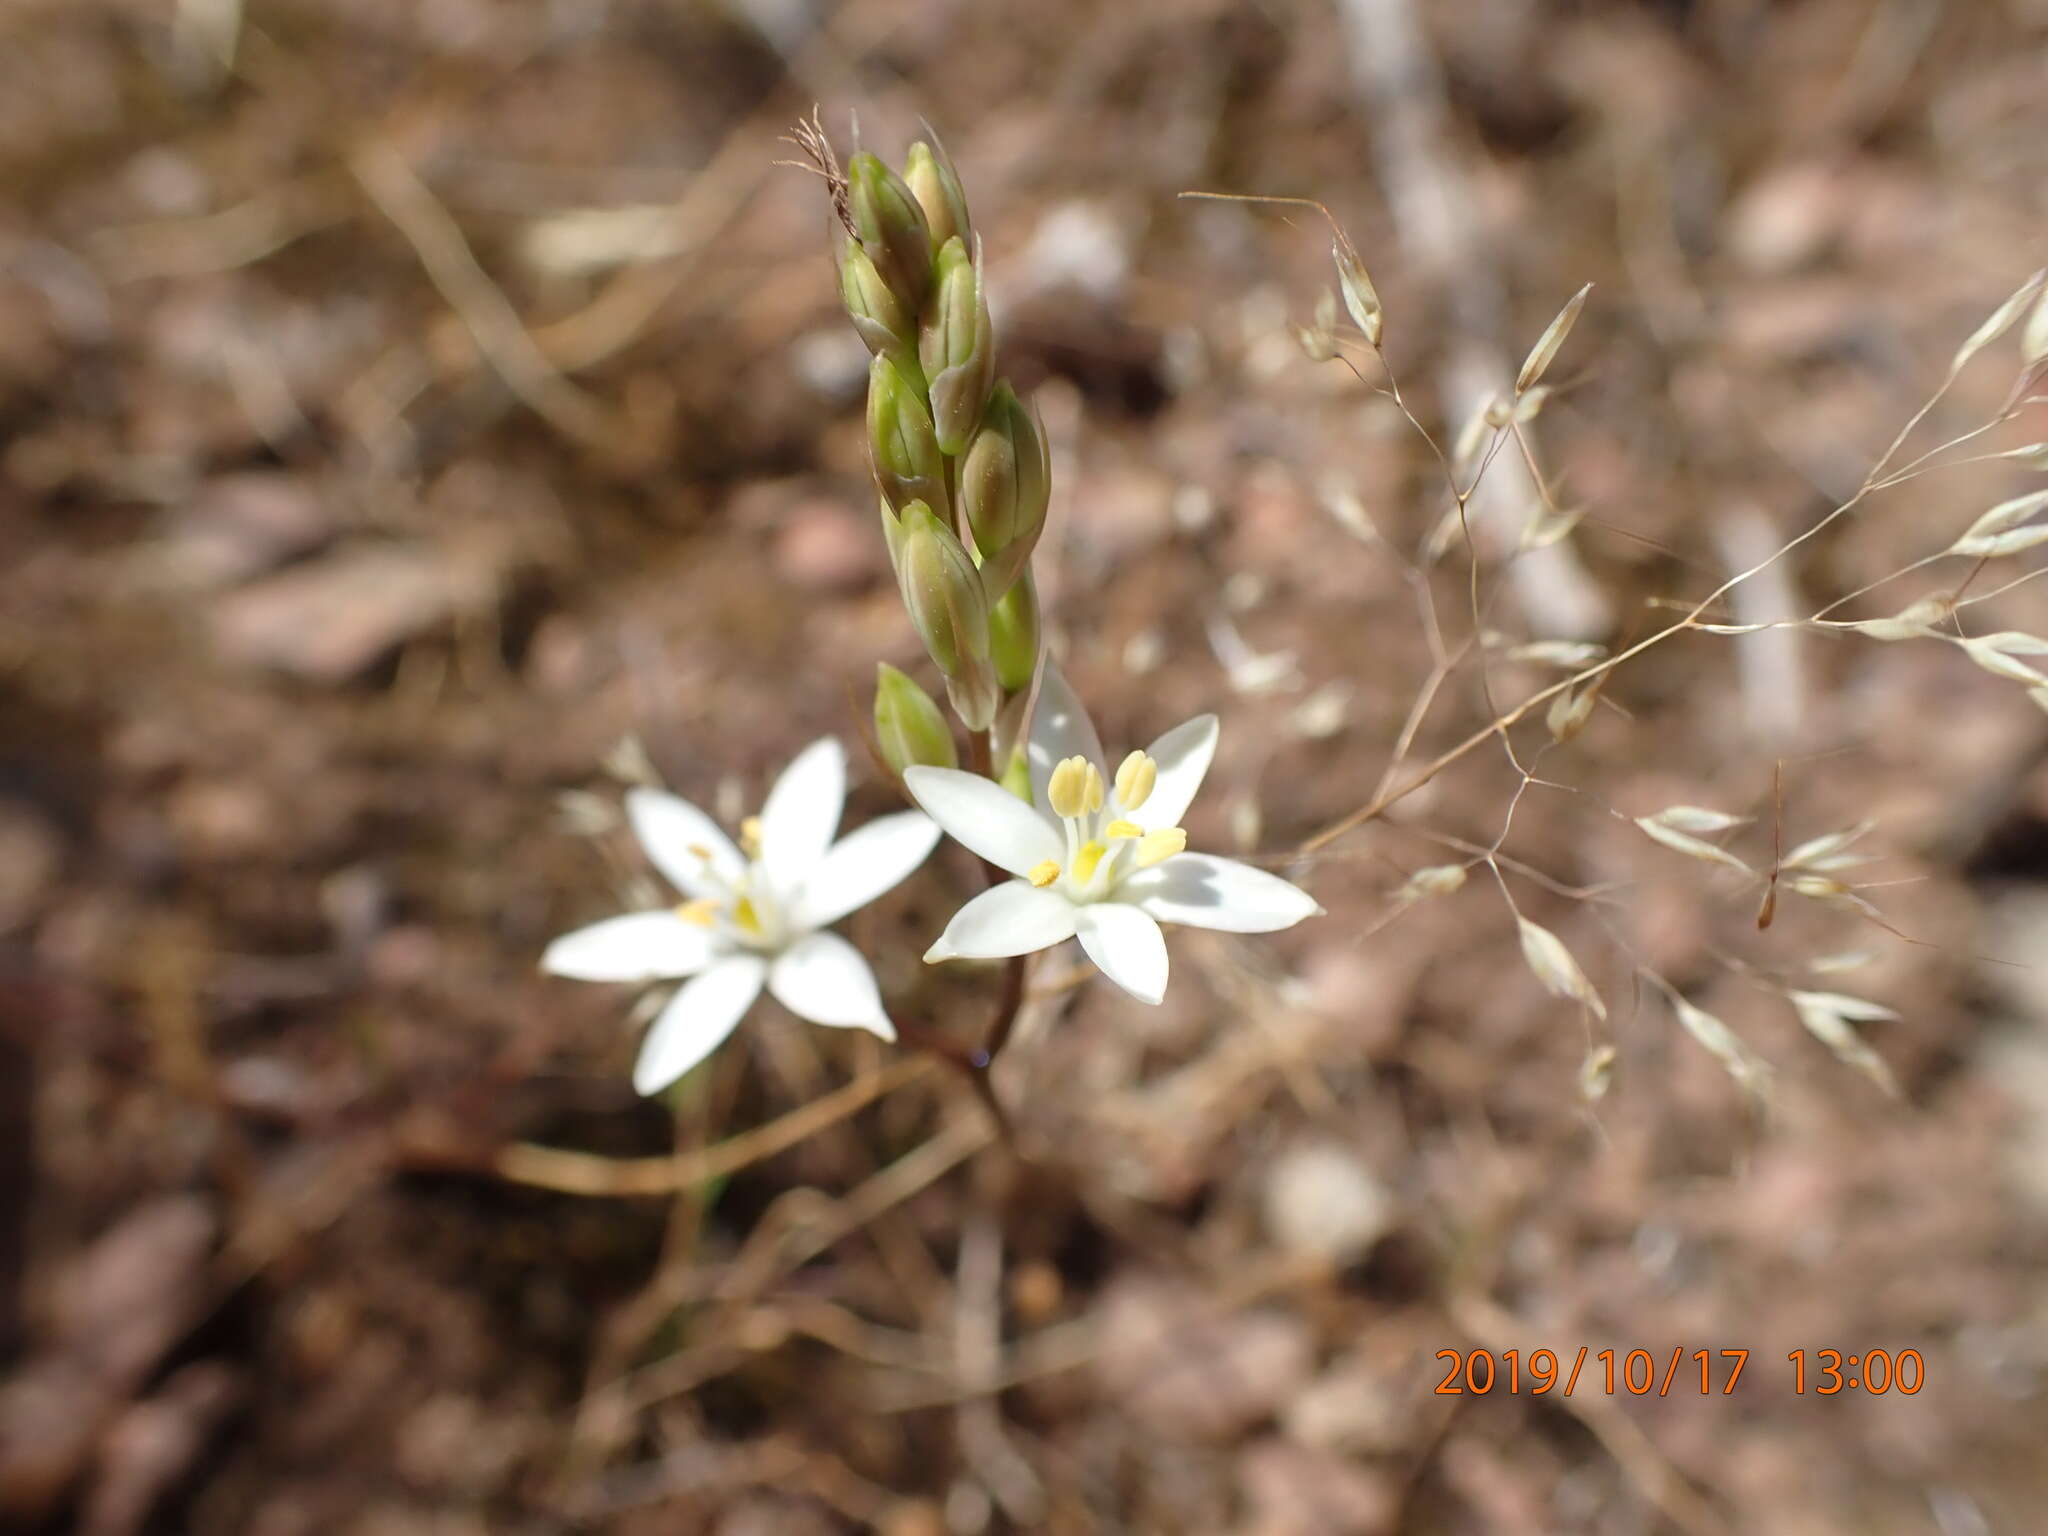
(960, 462)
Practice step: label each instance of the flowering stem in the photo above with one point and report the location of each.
(1007, 1008)
(976, 1062)
(968, 1062)
(981, 754)
(981, 760)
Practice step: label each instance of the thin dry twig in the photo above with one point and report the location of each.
(584, 1173)
(1770, 661)
(493, 323)
(1431, 201)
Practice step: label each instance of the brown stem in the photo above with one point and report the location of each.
(975, 1063)
(1007, 1009)
(970, 1063)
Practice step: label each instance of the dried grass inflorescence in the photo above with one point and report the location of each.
(1815, 871)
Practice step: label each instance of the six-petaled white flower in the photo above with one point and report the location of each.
(1102, 862)
(754, 918)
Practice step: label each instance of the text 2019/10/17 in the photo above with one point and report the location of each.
(1638, 1373)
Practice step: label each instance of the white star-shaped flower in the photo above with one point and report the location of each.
(754, 918)
(1104, 862)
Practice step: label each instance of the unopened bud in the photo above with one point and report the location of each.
(1013, 635)
(909, 726)
(877, 314)
(892, 535)
(1005, 485)
(943, 592)
(901, 445)
(891, 227)
(1017, 776)
(929, 174)
(975, 696)
(957, 346)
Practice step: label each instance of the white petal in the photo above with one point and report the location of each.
(1183, 755)
(1060, 728)
(1203, 891)
(697, 1020)
(641, 946)
(984, 816)
(823, 978)
(862, 865)
(1013, 918)
(675, 833)
(802, 812)
(1127, 946)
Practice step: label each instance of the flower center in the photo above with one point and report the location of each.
(743, 909)
(1099, 854)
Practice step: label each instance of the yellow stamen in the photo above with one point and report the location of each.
(1134, 781)
(744, 914)
(1085, 861)
(1070, 789)
(1122, 828)
(702, 911)
(701, 853)
(750, 837)
(1044, 873)
(1160, 844)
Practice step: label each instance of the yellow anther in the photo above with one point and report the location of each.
(743, 913)
(1044, 873)
(1134, 781)
(700, 853)
(1122, 828)
(1074, 784)
(703, 911)
(750, 837)
(1159, 845)
(1085, 861)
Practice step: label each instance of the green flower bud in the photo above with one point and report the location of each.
(1005, 486)
(957, 346)
(1013, 634)
(902, 447)
(892, 535)
(929, 174)
(908, 724)
(1017, 776)
(891, 227)
(943, 592)
(975, 696)
(877, 314)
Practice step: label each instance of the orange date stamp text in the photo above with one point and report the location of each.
(1640, 1373)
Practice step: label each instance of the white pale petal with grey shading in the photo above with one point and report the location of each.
(802, 812)
(862, 865)
(697, 1020)
(1060, 728)
(678, 838)
(1200, 890)
(824, 979)
(1013, 918)
(1126, 946)
(640, 946)
(984, 817)
(1182, 756)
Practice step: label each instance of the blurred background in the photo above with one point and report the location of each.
(402, 405)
